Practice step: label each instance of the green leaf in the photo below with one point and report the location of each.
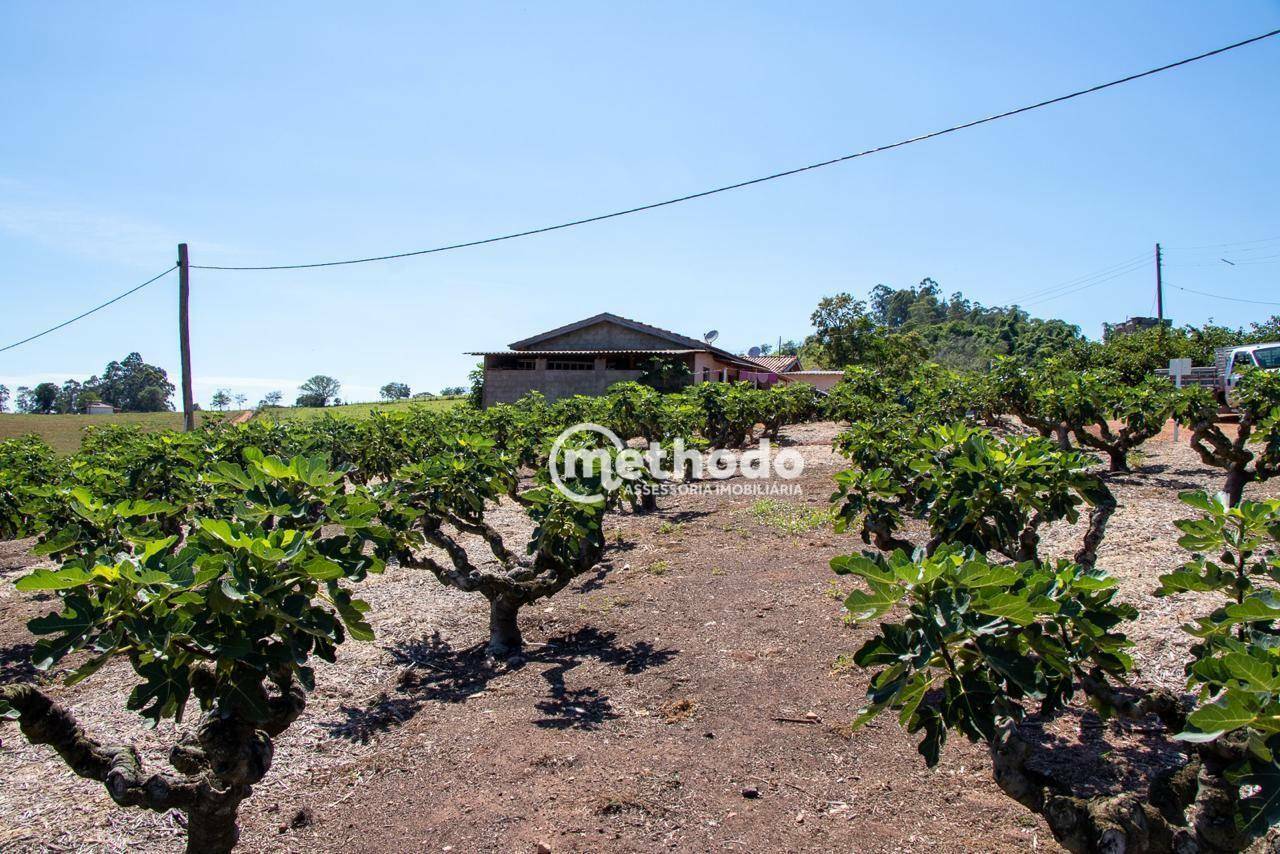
(244, 693)
(863, 567)
(1228, 713)
(977, 573)
(1252, 610)
(865, 715)
(1200, 501)
(1185, 581)
(76, 618)
(54, 579)
(222, 531)
(134, 509)
(89, 668)
(232, 592)
(323, 569)
(1254, 672)
(1012, 607)
(868, 606)
(163, 694)
(912, 694)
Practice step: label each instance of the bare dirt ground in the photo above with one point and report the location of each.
(686, 697)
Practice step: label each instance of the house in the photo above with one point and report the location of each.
(789, 369)
(590, 355)
(100, 409)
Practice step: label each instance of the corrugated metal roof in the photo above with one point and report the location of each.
(530, 354)
(774, 364)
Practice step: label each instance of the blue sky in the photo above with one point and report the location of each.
(281, 133)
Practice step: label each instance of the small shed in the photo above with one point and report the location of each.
(100, 409)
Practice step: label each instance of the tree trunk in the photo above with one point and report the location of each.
(1119, 461)
(1237, 478)
(1064, 437)
(211, 829)
(504, 631)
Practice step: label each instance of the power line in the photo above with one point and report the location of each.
(1242, 262)
(1226, 245)
(752, 181)
(1086, 287)
(1219, 296)
(90, 311)
(1265, 259)
(1134, 263)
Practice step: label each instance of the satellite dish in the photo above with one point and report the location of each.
(711, 336)
(753, 352)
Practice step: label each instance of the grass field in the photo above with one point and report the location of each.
(63, 432)
(359, 410)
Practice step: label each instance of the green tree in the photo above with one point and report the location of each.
(665, 375)
(1266, 330)
(43, 398)
(1252, 452)
(476, 395)
(221, 400)
(132, 385)
(918, 322)
(788, 348)
(320, 390)
(450, 495)
(4, 398)
(69, 398)
(225, 604)
(971, 645)
(394, 391)
(271, 398)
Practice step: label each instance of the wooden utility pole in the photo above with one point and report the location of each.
(1159, 286)
(184, 338)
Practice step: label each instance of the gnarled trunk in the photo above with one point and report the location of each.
(1190, 809)
(504, 630)
(211, 827)
(220, 760)
(1237, 479)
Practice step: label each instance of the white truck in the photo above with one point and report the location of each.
(1229, 364)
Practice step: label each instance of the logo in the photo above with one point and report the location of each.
(589, 452)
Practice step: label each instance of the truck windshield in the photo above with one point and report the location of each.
(1268, 357)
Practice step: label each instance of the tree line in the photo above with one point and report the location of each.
(129, 385)
(919, 324)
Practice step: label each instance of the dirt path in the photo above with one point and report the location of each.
(687, 697)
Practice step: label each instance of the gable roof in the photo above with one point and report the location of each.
(681, 344)
(605, 317)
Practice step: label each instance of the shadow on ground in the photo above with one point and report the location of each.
(434, 671)
(1104, 757)
(15, 664)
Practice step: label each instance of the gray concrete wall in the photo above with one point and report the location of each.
(509, 386)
